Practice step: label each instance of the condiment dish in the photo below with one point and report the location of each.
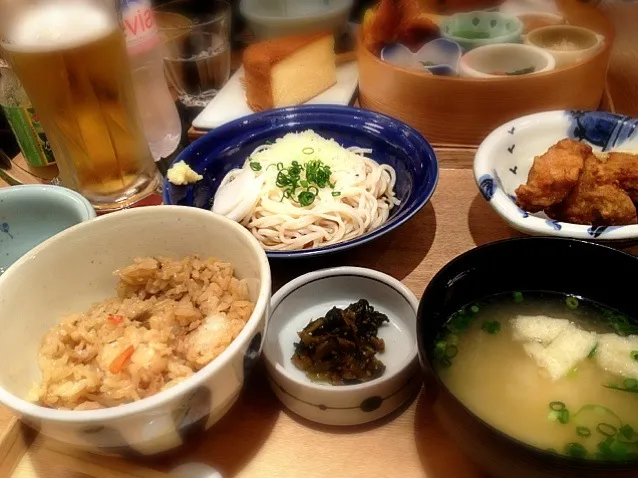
(310, 297)
(439, 57)
(73, 270)
(474, 29)
(503, 161)
(31, 214)
(505, 60)
(568, 44)
(553, 265)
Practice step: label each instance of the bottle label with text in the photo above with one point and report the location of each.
(139, 25)
(30, 135)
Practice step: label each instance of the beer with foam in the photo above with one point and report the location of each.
(71, 59)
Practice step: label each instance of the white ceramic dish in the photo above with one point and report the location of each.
(484, 61)
(311, 296)
(439, 57)
(587, 41)
(74, 269)
(503, 161)
(230, 104)
(273, 18)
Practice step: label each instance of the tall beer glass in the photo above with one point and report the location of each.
(71, 58)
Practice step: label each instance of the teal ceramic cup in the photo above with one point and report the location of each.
(474, 29)
(32, 214)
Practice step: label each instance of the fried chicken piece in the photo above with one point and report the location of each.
(606, 205)
(621, 169)
(398, 21)
(594, 203)
(380, 25)
(553, 175)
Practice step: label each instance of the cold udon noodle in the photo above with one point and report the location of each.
(304, 191)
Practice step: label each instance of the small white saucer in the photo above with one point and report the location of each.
(311, 296)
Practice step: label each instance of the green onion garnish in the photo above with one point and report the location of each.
(306, 198)
(255, 166)
(583, 432)
(634, 355)
(607, 429)
(336, 193)
(626, 431)
(474, 309)
(491, 327)
(317, 175)
(518, 297)
(575, 450)
(593, 351)
(557, 406)
(451, 351)
(630, 383)
(572, 303)
(563, 417)
(307, 150)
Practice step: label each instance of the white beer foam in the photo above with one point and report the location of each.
(56, 26)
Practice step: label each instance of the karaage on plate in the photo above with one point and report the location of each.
(595, 202)
(553, 175)
(571, 184)
(621, 169)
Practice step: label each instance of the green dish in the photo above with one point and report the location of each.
(474, 29)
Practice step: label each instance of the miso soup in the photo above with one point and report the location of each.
(558, 373)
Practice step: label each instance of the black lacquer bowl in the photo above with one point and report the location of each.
(568, 266)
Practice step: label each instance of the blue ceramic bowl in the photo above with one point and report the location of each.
(391, 141)
(31, 214)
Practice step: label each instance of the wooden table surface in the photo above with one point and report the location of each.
(259, 439)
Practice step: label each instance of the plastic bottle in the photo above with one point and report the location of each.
(159, 114)
(23, 120)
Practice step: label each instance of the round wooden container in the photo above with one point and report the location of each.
(462, 111)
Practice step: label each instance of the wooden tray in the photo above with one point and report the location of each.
(258, 438)
(606, 104)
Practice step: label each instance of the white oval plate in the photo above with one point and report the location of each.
(503, 161)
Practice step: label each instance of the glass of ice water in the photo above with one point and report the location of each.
(196, 37)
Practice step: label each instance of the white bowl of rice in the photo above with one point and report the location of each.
(128, 334)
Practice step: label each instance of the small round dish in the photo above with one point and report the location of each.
(311, 296)
(31, 214)
(568, 44)
(438, 57)
(474, 29)
(505, 60)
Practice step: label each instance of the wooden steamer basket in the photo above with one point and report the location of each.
(454, 111)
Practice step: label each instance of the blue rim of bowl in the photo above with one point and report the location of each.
(73, 198)
(372, 116)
